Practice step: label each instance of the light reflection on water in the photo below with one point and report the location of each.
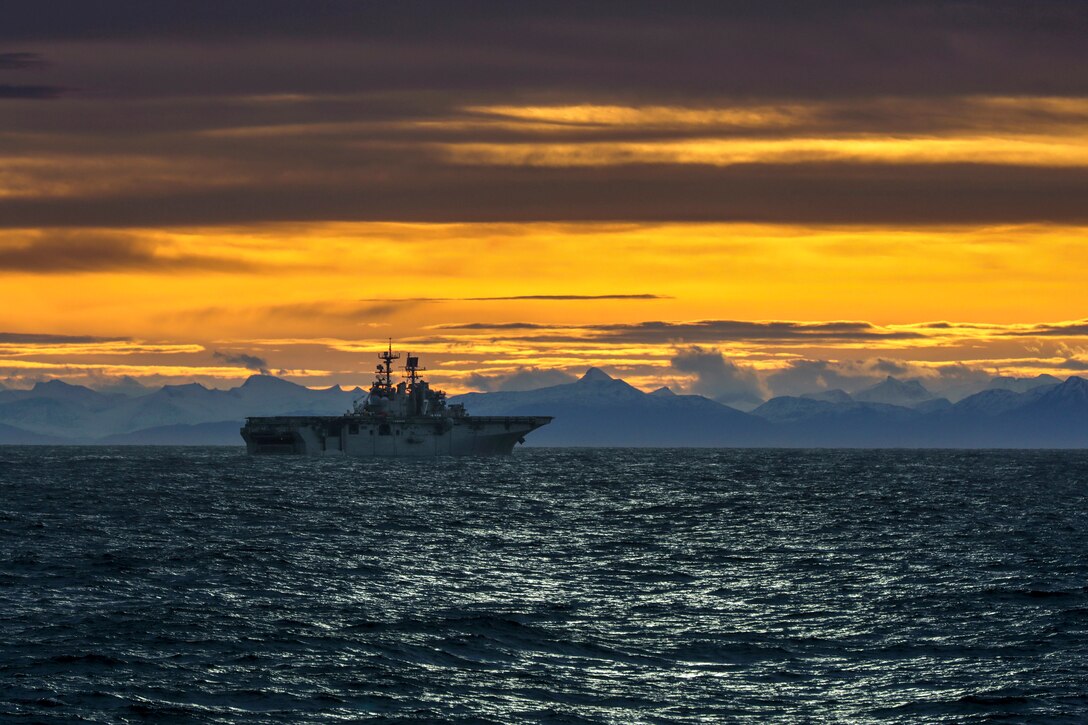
(569, 586)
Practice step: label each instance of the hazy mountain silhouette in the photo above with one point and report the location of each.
(831, 396)
(1022, 385)
(56, 409)
(805, 422)
(125, 385)
(1044, 416)
(10, 436)
(892, 391)
(597, 410)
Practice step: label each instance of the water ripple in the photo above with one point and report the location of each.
(584, 586)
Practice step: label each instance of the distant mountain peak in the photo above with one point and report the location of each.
(125, 385)
(1022, 385)
(893, 391)
(595, 375)
(664, 391)
(183, 388)
(892, 381)
(61, 390)
(835, 395)
(1074, 385)
(54, 384)
(254, 381)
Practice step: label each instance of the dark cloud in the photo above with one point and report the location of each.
(953, 380)
(702, 331)
(890, 367)
(1073, 328)
(332, 310)
(563, 298)
(26, 61)
(812, 376)
(245, 360)
(749, 48)
(1066, 363)
(499, 326)
(21, 61)
(807, 376)
(161, 79)
(817, 193)
(30, 92)
(57, 252)
(741, 330)
(428, 18)
(522, 379)
(327, 311)
(343, 131)
(544, 298)
(718, 378)
(24, 338)
(1068, 329)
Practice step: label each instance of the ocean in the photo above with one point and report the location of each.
(566, 586)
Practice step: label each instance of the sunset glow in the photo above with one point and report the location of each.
(171, 227)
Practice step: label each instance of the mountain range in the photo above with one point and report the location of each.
(597, 410)
(55, 411)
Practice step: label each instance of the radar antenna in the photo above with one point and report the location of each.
(412, 370)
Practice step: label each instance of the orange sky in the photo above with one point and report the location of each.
(318, 299)
(517, 208)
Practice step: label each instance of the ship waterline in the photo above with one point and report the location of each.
(352, 435)
(406, 420)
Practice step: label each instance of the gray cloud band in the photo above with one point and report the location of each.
(366, 95)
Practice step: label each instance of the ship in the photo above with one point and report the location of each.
(406, 420)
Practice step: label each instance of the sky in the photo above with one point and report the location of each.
(739, 199)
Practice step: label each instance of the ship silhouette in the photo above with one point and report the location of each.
(408, 419)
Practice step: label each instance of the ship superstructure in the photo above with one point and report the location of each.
(408, 419)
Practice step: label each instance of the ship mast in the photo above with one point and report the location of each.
(385, 369)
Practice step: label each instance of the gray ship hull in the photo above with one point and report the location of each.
(366, 436)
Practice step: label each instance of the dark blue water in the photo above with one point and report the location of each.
(199, 585)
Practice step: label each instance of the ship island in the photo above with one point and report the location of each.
(406, 420)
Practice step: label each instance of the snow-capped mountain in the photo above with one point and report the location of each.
(597, 410)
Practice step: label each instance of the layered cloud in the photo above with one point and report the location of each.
(735, 362)
(30, 338)
(21, 61)
(738, 198)
(698, 331)
(847, 162)
(617, 285)
(750, 48)
(18, 61)
(718, 378)
(31, 345)
(9, 91)
(245, 360)
(779, 333)
(66, 252)
(521, 379)
(911, 112)
(513, 298)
